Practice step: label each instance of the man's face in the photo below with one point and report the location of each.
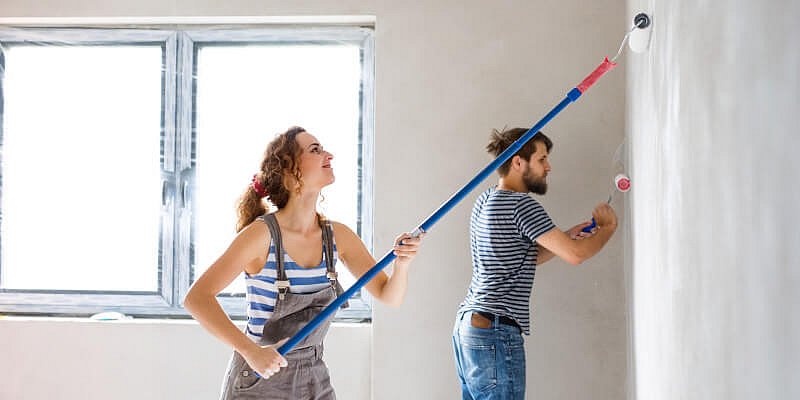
(537, 168)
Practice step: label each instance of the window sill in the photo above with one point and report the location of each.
(138, 321)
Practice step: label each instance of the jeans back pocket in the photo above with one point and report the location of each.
(479, 362)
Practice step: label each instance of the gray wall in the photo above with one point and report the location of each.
(712, 117)
(448, 72)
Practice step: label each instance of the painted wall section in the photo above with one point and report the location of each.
(712, 118)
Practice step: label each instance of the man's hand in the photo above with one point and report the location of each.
(577, 233)
(605, 216)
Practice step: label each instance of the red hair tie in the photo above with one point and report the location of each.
(258, 187)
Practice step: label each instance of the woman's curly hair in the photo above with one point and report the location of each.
(282, 155)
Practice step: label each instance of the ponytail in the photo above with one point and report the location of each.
(282, 155)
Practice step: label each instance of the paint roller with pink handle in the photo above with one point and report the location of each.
(621, 183)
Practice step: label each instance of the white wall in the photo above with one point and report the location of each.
(713, 121)
(69, 358)
(447, 72)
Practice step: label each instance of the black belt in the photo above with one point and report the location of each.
(501, 318)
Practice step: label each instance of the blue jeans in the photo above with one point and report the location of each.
(490, 361)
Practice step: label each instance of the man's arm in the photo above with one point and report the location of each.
(575, 252)
(575, 233)
(543, 255)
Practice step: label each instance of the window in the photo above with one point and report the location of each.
(124, 151)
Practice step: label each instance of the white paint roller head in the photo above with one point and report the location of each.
(640, 38)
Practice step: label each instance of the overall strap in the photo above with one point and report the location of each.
(330, 262)
(327, 242)
(282, 282)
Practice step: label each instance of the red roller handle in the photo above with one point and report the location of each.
(601, 69)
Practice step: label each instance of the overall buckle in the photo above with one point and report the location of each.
(332, 276)
(283, 288)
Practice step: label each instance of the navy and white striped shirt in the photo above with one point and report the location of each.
(503, 231)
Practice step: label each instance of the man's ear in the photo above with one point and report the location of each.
(516, 162)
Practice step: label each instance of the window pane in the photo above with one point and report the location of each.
(81, 173)
(248, 94)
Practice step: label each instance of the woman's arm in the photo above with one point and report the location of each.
(389, 290)
(247, 253)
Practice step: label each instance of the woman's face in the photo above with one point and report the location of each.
(315, 162)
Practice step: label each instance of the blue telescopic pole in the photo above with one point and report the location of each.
(572, 96)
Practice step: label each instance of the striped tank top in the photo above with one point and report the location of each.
(262, 292)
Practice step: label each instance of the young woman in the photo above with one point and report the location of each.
(289, 262)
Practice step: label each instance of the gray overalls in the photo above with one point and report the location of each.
(306, 376)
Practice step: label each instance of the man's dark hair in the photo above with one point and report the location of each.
(500, 141)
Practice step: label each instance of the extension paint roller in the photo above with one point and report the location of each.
(425, 226)
(572, 96)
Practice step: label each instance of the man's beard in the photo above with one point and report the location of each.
(535, 185)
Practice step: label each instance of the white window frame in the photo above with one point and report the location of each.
(177, 168)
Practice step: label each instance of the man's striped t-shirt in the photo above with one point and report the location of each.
(503, 230)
